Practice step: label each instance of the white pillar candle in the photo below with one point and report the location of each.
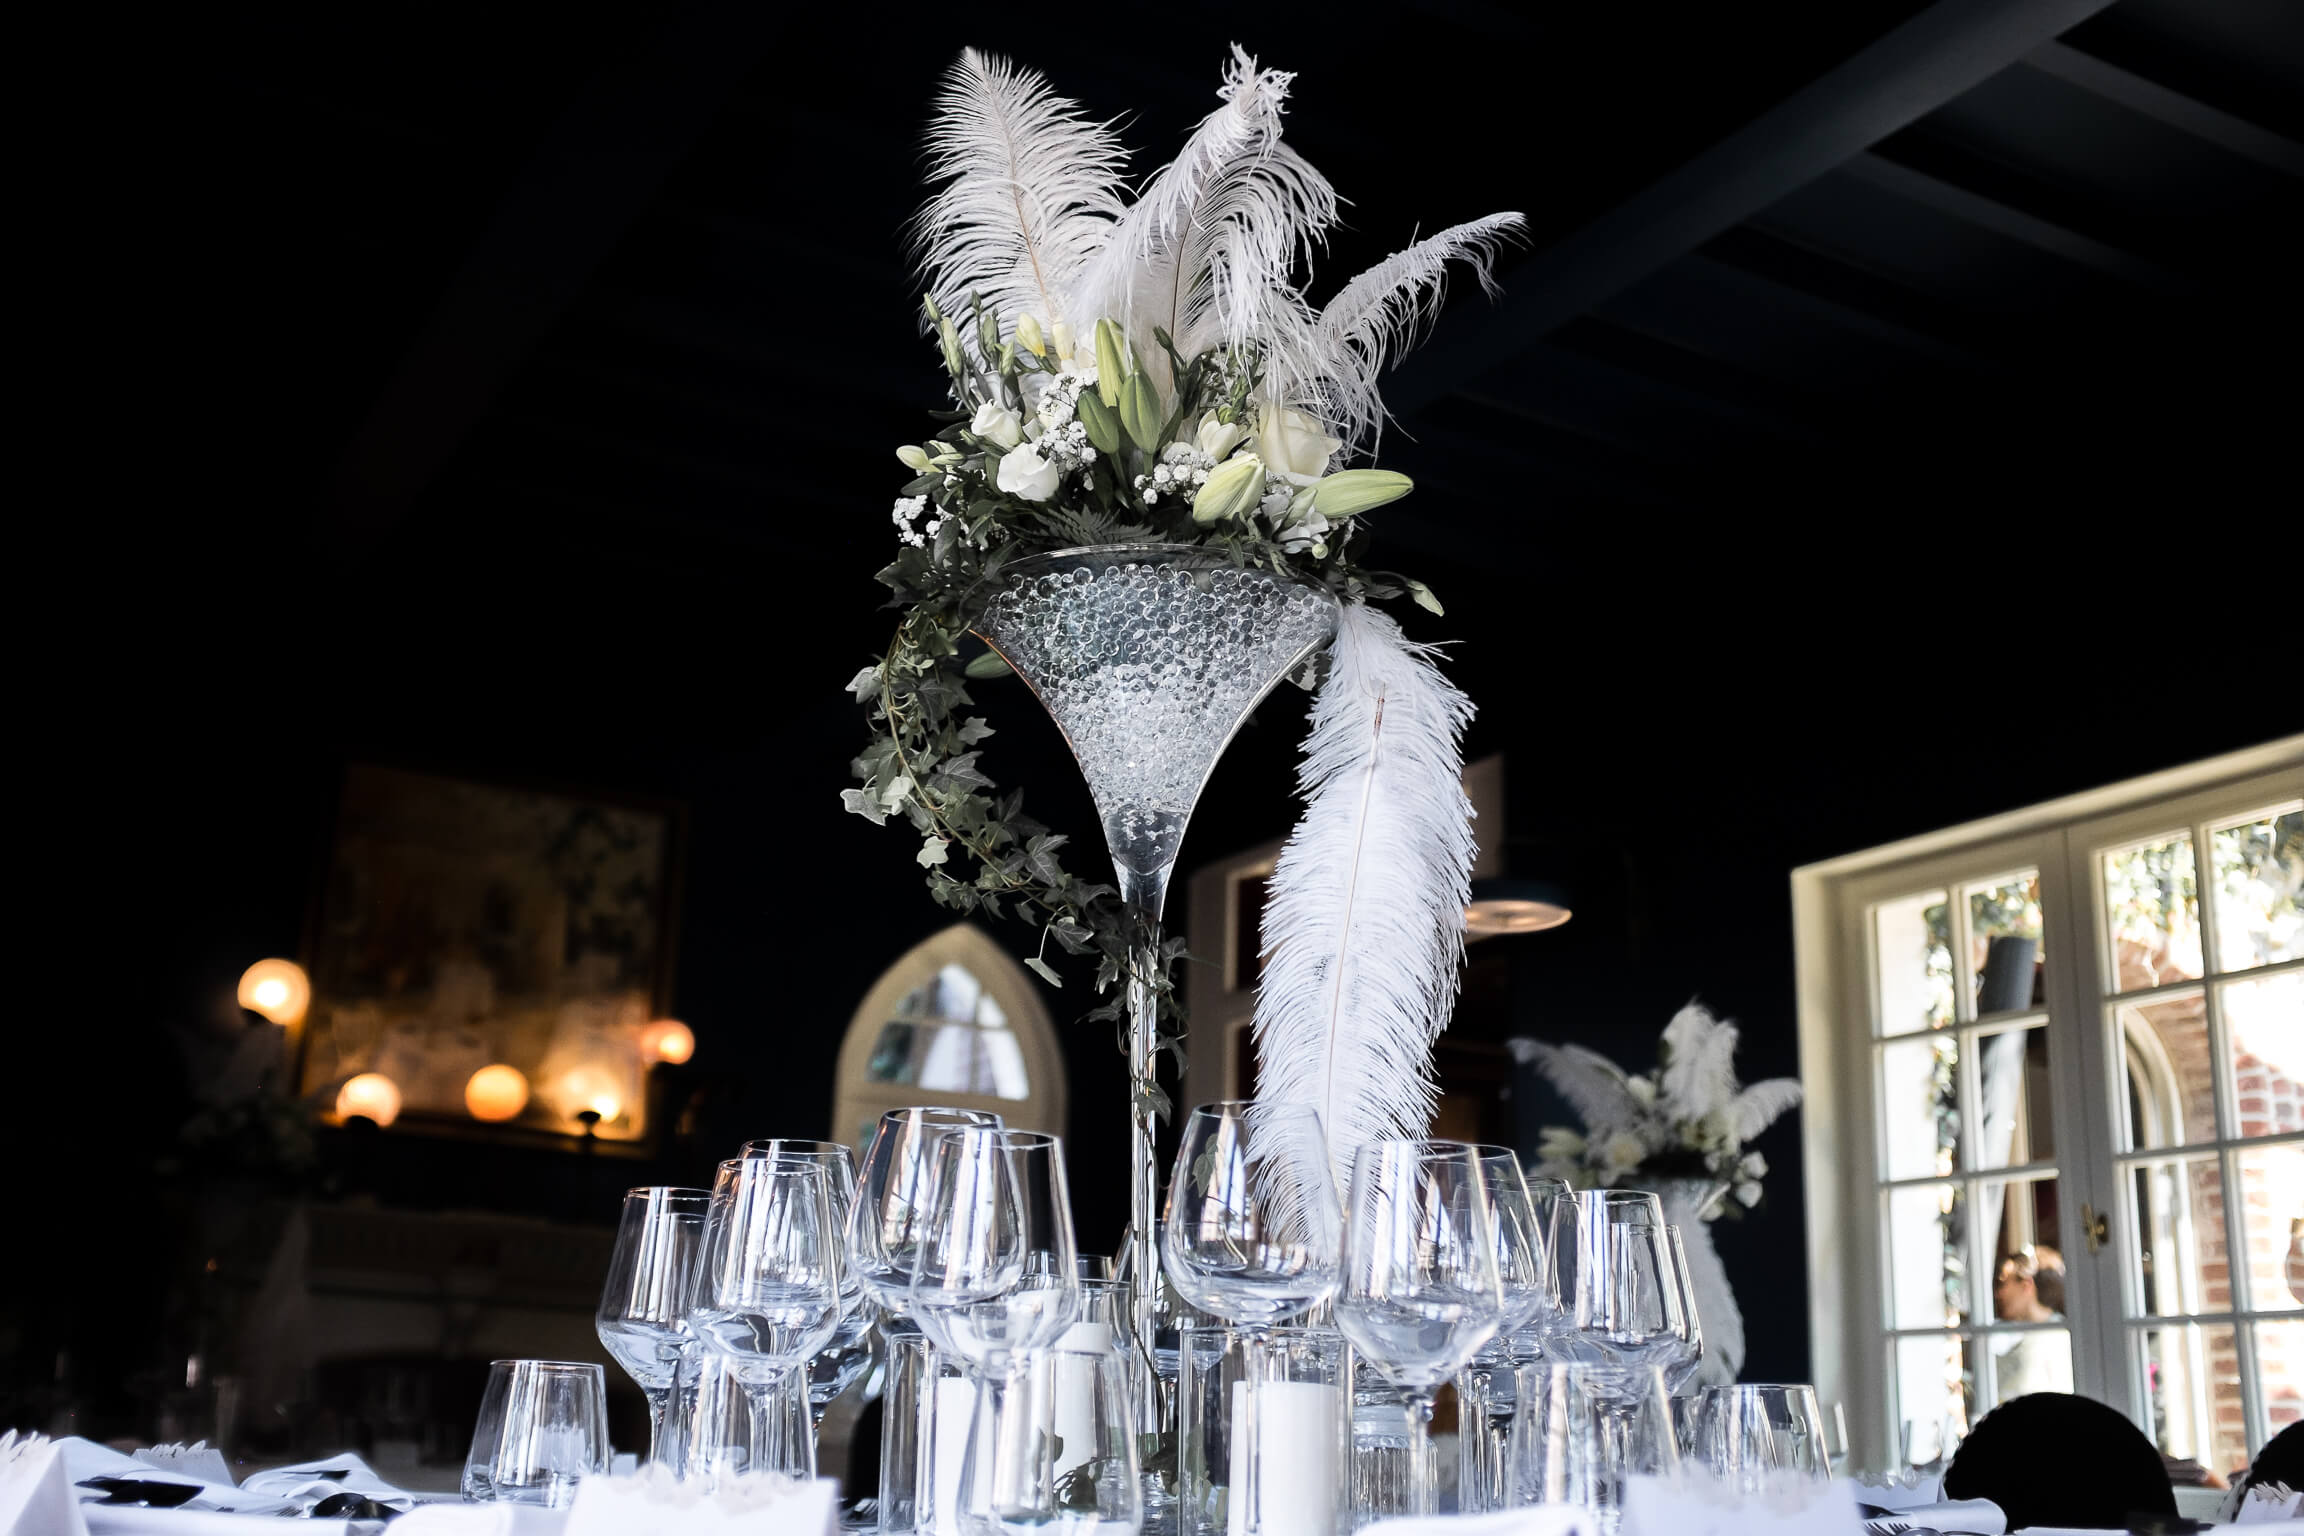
(1076, 1392)
(950, 1409)
(1296, 1438)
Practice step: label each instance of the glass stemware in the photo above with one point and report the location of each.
(643, 1316)
(849, 1353)
(1686, 1359)
(1252, 1234)
(1484, 1389)
(1421, 1289)
(768, 1293)
(1627, 1305)
(996, 1278)
(1582, 1430)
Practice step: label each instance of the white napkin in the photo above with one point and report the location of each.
(1973, 1517)
(1697, 1505)
(1897, 1495)
(1536, 1520)
(480, 1520)
(36, 1498)
(198, 1460)
(303, 1482)
(2269, 1504)
(657, 1504)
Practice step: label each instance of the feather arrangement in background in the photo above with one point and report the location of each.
(1364, 917)
(1033, 194)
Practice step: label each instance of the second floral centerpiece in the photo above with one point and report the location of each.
(1147, 494)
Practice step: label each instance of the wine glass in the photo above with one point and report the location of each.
(1252, 1235)
(1553, 1205)
(1421, 1290)
(884, 1224)
(1687, 1358)
(849, 1354)
(995, 1278)
(643, 1316)
(1484, 1389)
(768, 1291)
(1627, 1306)
(1573, 1442)
(543, 1429)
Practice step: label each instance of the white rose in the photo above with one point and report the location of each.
(1024, 473)
(1621, 1152)
(1291, 443)
(1748, 1195)
(1642, 1088)
(1217, 439)
(995, 423)
(1754, 1166)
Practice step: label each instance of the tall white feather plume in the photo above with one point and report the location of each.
(1699, 1074)
(1364, 921)
(1235, 197)
(1380, 315)
(1034, 190)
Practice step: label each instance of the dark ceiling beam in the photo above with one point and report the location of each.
(595, 171)
(2185, 113)
(2015, 224)
(1947, 49)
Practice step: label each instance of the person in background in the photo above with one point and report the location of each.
(2031, 1362)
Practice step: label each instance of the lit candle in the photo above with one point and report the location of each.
(1077, 1355)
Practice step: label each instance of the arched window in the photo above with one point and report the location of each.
(954, 1021)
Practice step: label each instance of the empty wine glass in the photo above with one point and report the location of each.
(1484, 1389)
(768, 1290)
(884, 1225)
(1421, 1291)
(1582, 1430)
(643, 1315)
(1627, 1306)
(1252, 1235)
(1686, 1359)
(849, 1353)
(995, 1279)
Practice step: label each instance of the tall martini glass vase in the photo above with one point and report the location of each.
(1149, 657)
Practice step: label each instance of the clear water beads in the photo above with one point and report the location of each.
(1149, 661)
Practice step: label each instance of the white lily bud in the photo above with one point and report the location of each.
(1028, 333)
(914, 457)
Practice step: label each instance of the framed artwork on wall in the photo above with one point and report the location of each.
(495, 955)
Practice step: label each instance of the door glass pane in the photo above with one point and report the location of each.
(2280, 1372)
(2004, 948)
(2152, 908)
(2170, 1081)
(2266, 1021)
(2177, 1241)
(2192, 1382)
(1931, 1396)
(2015, 1123)
(1927, 1274)
(2272, 1216)
(2259, 873)
(2027, 1275)
(1919, 1105)
(2036, 1360)
(1912, 940)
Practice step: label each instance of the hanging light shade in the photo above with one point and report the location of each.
(277, 989)
(496, 1092)
(1501, 907)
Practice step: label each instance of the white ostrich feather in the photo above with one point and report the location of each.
(1234, 198)
(1380, 315)
(1756, 1108)
(1033, 190)
(1593, 1085)
(1699, 1063)
(1364, 922)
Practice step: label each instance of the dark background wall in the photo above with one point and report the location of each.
(1975, 601)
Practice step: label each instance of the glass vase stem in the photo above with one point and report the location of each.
(1147, 892)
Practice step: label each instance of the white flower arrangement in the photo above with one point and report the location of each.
(1687, 1119)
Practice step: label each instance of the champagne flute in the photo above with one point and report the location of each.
(1252, 1235)
(1421, 1289)
(768, 1292)
(643, 1315)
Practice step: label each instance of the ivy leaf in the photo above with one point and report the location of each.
(931, 852)
(865, 685)
(897, 789)
(1044, 971)
(973, 730)
(1040, 853)
(865, 804)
